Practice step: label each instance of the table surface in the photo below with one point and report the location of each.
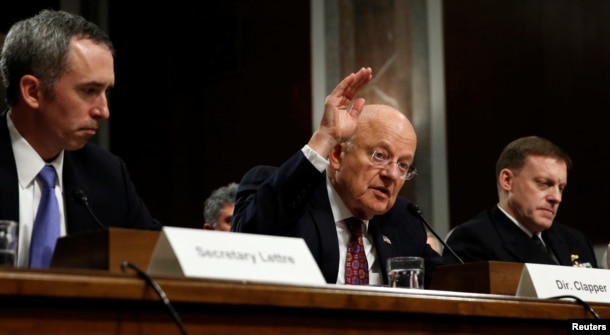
(103, 302)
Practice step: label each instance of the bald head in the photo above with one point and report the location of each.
(383, 120)
(367, 171)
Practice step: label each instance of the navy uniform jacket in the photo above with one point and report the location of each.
(492, 236)
(101, 175)
(292, 201)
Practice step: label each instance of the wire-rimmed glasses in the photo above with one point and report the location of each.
(382, 160)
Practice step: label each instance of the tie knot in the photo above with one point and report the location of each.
(47, 176)
(537, 240)
(354, 225)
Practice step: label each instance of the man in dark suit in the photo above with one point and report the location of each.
(354, 165)
(531, 175)
(57, 69)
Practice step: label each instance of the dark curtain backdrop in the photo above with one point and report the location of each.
(204, 92)
(528, 67)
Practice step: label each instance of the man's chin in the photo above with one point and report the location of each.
(544, 224)
(76, 145)
(378, 209)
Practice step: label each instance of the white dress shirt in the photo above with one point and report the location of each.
(29, 164)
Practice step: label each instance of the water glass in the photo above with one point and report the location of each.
(405, 272)
(608, 257)
(8, 243)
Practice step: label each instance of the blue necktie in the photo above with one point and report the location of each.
(46, 224)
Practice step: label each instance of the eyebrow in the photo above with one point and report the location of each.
(96, 84)
(387, 151)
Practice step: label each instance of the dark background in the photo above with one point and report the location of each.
(204, 94)
(529, 67)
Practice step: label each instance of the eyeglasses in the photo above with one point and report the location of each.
(382, 160)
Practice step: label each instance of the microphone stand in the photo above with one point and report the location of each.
(414, 209)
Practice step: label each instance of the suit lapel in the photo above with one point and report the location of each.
(70, 185)
(516, 242)
(322, 216)
(78, 218)
(9, 184)
(386, 240)
(383, 235)
(558, 245)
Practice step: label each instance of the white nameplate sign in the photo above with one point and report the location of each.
(545, 281)
(198, 253)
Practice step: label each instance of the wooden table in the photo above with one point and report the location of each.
(100, 302)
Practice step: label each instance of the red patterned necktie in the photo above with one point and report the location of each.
(356, 265)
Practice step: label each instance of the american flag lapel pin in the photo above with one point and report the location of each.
(386, 239)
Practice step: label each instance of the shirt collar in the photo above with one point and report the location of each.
(28, 162)
(517, 223)
(337, 205)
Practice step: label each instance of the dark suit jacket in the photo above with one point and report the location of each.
(99, 174)
(493, 236)
(292, 201)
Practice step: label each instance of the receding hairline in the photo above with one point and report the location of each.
(377, 115)
(374, 110)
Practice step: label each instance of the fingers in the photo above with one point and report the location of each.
(338, 123)
(357, 107)
(349, 87)
(360, 79)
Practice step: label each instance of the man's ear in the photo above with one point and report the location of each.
(31, 90)
(505, 179)
(336, 156)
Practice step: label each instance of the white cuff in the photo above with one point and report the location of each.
(319, 162)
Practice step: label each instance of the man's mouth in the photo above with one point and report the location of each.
(383, 190)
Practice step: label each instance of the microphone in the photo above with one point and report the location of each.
(414, 209)
(81, 198)
(149, 281)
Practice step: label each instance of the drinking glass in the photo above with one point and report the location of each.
(406, 272)
(8, 242)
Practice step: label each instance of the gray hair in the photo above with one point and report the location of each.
(39, 46)
(215, 202)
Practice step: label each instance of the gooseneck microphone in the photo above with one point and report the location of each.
(149, 281)
(414, 209)
(81, 198)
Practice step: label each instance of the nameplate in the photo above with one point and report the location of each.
(198, 253)
(546, 281)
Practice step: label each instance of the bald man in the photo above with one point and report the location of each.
(354, 165)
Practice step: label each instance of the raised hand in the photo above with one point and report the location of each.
(341, 112)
